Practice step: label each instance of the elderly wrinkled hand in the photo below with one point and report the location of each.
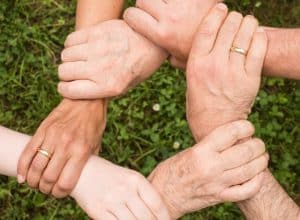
(106, 60)
(224, 70)
(170, 24)
(109, 192)
(216, 170)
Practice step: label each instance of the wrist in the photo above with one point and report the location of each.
(202, 123)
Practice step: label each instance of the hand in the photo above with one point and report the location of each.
(215, 170)
(106, 60)
(71, 133)
(222, 85)
(170, 24)
(106, 191)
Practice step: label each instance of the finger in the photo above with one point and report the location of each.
(28, 154)
(208, 30)
(40, 162)
(180, 64)
(80, 89)
(142, 23)
(77, 37)
(257, 52)
(53, 170)
(227, 34)
(243, 192)
(154, 7)
(123, 212)
(71, 71)
(153, 201)
(69, 177)
(139, 209)
(75, 53)
(242, 153)
(105, 216)
(227, 135)
(246, 172)
(243, 39)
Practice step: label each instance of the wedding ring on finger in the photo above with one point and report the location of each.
(238, 50)
(44, 153)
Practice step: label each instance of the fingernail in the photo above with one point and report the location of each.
(260, 29)
(222, 6)
(21, 179)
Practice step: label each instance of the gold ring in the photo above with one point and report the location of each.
(44, 153)
(238, 50)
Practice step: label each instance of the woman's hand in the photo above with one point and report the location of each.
(109, 192)
(105, 61)
(71, 133)
(170, 24)
(222, 84)
(216, 170)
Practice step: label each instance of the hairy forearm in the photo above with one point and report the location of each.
(272, 202)
(282, 59)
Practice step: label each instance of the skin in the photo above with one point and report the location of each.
(215, 170)
(271, 202)
(175, 33)
(225, 78)
(208, 53)
(127, 58)
(104, 190)
(59, 133)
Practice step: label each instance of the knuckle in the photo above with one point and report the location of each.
(164, 35)
(65, 186)
(234, 15)
(251, 18)
(258, 143)
(67, 137)
(47, 178)
(206, 30)
(36, 166)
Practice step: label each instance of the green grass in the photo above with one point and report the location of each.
(32, 33)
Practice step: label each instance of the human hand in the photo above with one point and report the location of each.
(222, 85)
(71, 133)
(170, 24)
(216, 170)
(106, 60)
(106, 191)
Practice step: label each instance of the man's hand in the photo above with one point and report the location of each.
(109, 192)
(170, 24)
(71, 133)
(106, 60)
(222, 84)
(215, 170)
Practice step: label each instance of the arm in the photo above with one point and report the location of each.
(283, 54)
(100, 181)
(271, 202)
(175, 32)
(59, 134)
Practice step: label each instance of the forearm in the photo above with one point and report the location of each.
(282, 59)
(272, 202)
(91, 12)
(12, 144)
